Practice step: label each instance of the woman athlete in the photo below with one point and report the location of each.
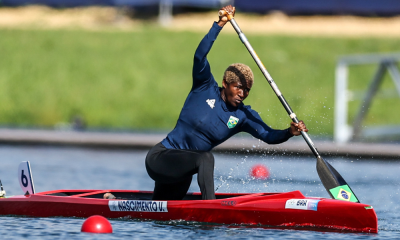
(209, 116)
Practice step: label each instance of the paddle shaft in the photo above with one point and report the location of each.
(330, 178)
(272, 84)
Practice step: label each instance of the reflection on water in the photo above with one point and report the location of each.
(375, 182)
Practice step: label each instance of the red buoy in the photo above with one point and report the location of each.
(96, 224)
(259, 171)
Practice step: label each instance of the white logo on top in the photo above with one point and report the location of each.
(211, 102)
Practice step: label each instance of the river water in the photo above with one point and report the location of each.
(375, 182)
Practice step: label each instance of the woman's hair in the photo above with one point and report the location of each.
(238, 72)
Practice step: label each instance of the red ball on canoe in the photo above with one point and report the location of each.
(96, 224)
(259, 171)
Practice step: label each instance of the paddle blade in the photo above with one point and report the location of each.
(334, 182)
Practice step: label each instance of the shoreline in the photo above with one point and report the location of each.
(238, 144)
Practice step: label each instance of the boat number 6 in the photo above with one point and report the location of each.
(24, 179)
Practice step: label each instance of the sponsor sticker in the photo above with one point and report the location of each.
(369, 207)
(137, 206)
(228, 203)
(303, 204)
(232, 122)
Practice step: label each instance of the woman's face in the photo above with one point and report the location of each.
(236, 92)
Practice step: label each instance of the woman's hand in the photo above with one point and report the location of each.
(297, 128)
(223, 19)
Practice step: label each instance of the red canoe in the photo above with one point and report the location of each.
(282, 210)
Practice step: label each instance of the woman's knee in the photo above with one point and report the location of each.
(207, 158)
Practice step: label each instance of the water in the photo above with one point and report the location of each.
(375, 182)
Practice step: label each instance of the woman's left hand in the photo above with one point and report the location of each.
(297, 128)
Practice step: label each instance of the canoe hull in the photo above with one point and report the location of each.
(283, 210)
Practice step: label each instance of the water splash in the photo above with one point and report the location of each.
(223, 181)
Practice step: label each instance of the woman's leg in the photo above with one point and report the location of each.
(172, 191)
(172, 168)
(205, 175)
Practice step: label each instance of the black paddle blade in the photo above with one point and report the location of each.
(334, 183)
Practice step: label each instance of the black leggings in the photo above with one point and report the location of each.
(172, 171)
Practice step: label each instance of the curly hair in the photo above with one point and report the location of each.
(238, 72)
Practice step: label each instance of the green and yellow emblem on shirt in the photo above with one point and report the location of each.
(232, 122)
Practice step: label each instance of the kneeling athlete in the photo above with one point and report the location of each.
(209, 116)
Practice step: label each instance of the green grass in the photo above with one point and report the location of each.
(139, 80)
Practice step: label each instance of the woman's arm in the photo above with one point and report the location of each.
(254, 125)
(201, 67)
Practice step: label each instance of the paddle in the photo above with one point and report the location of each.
(330, 178)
